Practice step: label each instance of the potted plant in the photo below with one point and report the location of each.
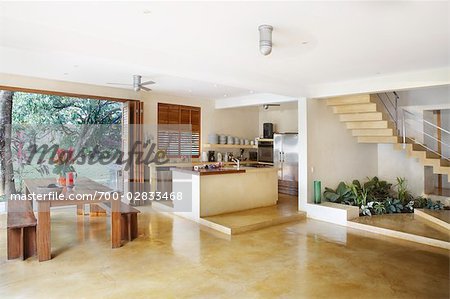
(63, 161)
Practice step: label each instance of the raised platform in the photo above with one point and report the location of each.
(405, 226)
(239, 222)
(436, 217)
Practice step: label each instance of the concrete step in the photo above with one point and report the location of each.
(370, 116)
(373, 132)
(355, 108)
(377, 139)
(442, 170)
(445, 163)
(432, 155)
(380, 124)
(348, 100)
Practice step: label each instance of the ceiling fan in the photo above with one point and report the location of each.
(137, 84)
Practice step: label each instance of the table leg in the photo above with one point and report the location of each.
(80, 209)
(115, 224)
(44, 249)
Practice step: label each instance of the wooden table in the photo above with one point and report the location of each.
(84, 187)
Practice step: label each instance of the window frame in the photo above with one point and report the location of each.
(180, 108)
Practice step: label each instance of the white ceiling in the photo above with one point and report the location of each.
(201, 49)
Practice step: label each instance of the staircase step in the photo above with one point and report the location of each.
(356, 108)
(432, 155)
(417, 147)
(445, 163)
(349, 100)
(373, 132)
(377, 139)
(380, 124)
(442, 170)
(370, 116)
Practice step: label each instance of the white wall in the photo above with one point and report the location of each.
(438, 95)
(284, 117)
(333, 154)
(394, 163)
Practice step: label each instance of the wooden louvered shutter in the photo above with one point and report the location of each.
(179, 130)
(196, 131)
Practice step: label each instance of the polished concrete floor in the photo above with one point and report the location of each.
(286, 210)
(176, 258)
(443, 215)
(407, 223)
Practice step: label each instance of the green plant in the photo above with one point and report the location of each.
(365, 210)
(393, 205)
(410, 206)
(420, 202)
(379, 208)
(377, 190)
(434, 205)
(402, 191)
(339, 195)
(360, 194)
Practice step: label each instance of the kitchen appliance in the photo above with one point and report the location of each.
(265, 151)
(211, 157)
(253, 156)
(285, 156)
(268, 130)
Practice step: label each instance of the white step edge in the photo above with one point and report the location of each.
(399, 235)
(432, 219)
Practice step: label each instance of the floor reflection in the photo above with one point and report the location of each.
(174, 257)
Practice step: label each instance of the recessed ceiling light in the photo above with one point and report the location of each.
(190, 90)
(147, 11)
(251, 91)
(215, 85)
(225, 95)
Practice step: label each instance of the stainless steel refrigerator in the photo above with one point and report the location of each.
(285, 156)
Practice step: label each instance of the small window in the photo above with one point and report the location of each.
(179, 130)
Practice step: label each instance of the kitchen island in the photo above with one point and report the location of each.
(208, 192)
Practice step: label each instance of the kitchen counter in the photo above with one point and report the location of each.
(193, 163)
(214, 171)
(229, 190)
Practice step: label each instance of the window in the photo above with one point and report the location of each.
(179, 130)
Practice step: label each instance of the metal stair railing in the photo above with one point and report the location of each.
(399, 117)
(424, 123)
(391, 106)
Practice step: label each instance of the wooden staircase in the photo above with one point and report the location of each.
(364, 115)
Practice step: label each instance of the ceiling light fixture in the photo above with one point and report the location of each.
(267, 106)
(265, 39)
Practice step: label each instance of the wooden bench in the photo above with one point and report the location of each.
(128, 220)
(21, 229)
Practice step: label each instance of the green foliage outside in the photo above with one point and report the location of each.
(82, 123)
